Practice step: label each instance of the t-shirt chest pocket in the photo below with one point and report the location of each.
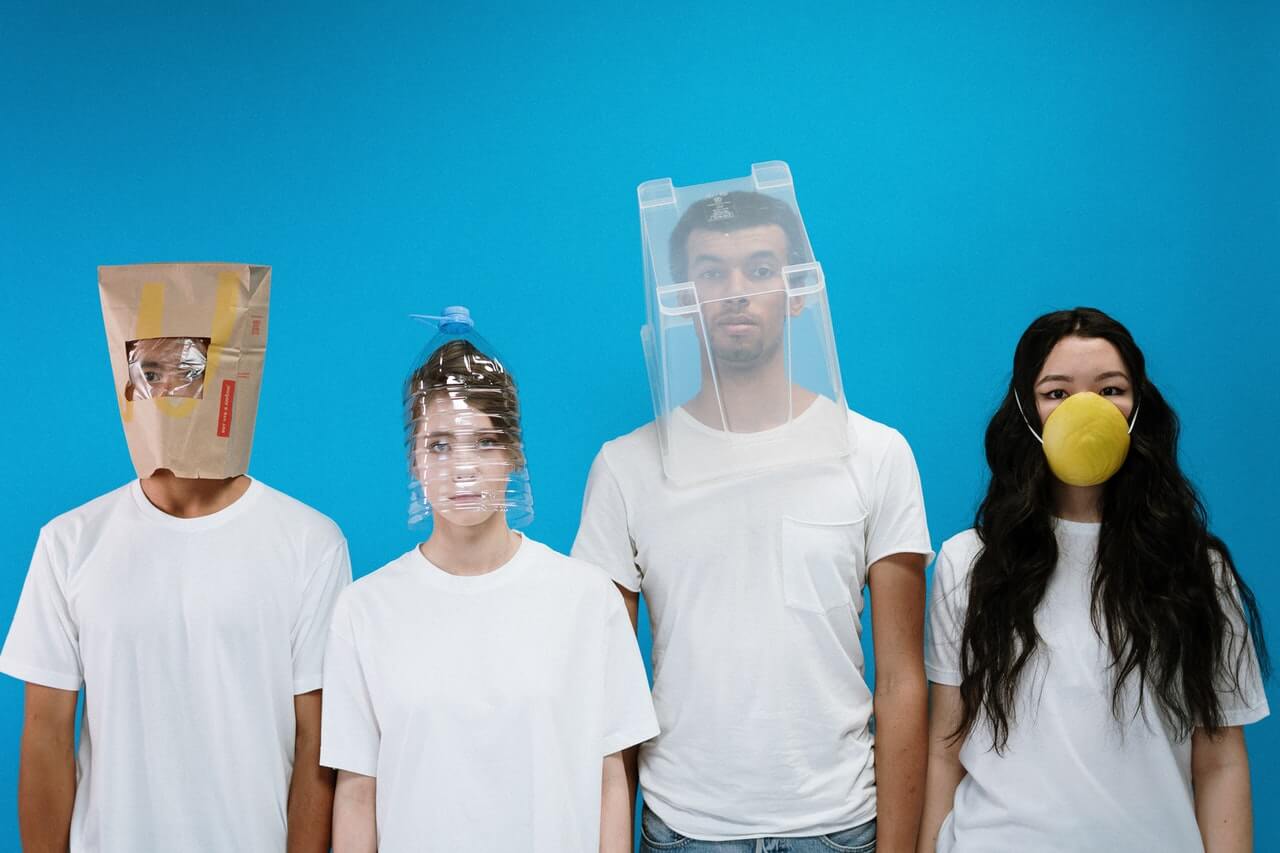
(821, 562)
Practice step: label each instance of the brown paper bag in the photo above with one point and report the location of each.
(187, 343)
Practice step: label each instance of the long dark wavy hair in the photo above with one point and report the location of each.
(1161, 588)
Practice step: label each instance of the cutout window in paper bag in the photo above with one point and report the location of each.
(166, 367)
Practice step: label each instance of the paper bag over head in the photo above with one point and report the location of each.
(187, 344)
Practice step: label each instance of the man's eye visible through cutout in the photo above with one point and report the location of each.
(166, 367)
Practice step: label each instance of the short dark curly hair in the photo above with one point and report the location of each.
(734, 211)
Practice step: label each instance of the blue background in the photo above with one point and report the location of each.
(961, 168)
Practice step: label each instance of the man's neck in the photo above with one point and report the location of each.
(754, 398)
(186, 497)
(471, 550)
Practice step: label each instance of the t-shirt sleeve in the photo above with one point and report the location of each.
(43, 646)
(947, 602)
(628, 706)
(1240, 677)
(897, 523)
(349, 733)
(311, 627)
(604, 536)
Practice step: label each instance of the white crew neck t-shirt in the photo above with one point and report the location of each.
(484, 705)
(755, 592)
(1072, 777)
(191, 638)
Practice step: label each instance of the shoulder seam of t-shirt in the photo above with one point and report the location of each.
(345, 606)
(897, 444)
(954, 571)
(76, 513)
(60, 569)
(613, 476)
(858, 432)
(960, 568)
(43, 541)
(635, 570)
(375, 578)
(329, 553)
(39, 675)
(321, 519)
(896, 441)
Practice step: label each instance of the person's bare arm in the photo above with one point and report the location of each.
(355, 823)
(47, 769)
(632, 600)
(617, 802)
(945, 770)
(901, 698)
(311, 789)
(630, 755)
(1220, 779)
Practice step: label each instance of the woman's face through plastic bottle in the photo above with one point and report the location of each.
(462, 460)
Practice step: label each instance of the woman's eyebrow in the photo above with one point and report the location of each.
(1053, 377)
(1112, 374)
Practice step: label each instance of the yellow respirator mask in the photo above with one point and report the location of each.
(1086, 438)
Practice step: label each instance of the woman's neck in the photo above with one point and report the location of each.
(471, 549)
(1078, 503)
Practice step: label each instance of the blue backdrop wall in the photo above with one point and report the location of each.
(961, 167)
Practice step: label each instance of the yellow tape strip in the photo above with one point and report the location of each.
(225, 302)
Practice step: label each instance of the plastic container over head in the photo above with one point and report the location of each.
(739, 347)
(462, 429)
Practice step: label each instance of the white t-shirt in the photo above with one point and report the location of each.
(755, 590)
(191, 638)
(484, 704)
(1072, 777)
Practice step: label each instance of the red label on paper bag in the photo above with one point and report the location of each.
(224, 407)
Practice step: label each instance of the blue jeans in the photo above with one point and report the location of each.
(656, 836)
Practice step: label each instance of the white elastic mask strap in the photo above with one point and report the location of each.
(1027, 422)
(1133, 419)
